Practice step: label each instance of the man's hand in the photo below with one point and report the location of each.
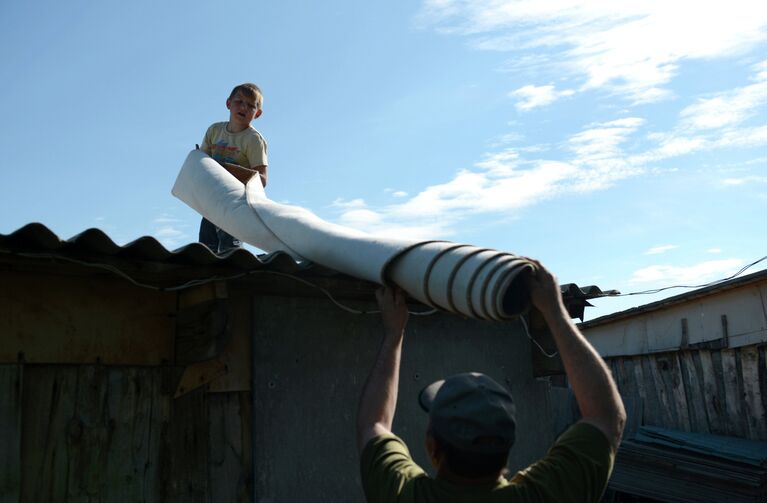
(393, 309)
(545, 293)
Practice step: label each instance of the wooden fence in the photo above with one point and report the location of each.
(718, 391)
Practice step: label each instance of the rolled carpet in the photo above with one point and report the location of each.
(475, 282)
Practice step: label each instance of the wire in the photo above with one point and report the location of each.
(527, 333)
(203, 281)
(711, 283)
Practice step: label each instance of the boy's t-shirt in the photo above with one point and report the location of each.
(246, 148)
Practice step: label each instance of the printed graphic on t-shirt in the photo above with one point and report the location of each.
(221, 151)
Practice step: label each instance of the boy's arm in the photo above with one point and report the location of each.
(262, 172)
(244, 174)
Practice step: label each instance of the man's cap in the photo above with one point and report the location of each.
(471, 412)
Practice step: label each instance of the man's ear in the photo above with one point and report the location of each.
(228, 103)
(433, 450)
(258, 113)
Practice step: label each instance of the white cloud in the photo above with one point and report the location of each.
(655, 250)
(399, 193)
(633, 48)
(697, 274)
(725, 109)
(514, 178)
(746, 180)
(350, 204)
(537, 96)
(503, 182)
(170, 231)
(601, 141)
(505, 139)
(713, 123)
(714, 250)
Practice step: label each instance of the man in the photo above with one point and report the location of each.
(472, 426)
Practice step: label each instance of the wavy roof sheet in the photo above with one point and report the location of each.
(35, 240)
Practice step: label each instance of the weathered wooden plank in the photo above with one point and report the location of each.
(93, 433)
(711, 365)
(230, 449)
(112, 321)
(693, 391)
(762, 376)
(135, 419)
(623, 372)
(642, 389)
(88, 434)
(663, 414)
(755, 414)
(238, 353)
(677, 390)
(48, 406)
(185, 452)
(733, 395)
(11, 383)
(660, 369)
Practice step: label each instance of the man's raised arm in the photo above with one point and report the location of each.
(379, 396)
(591, 381)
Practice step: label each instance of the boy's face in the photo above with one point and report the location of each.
(242, 110)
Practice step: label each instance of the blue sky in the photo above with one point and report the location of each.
(622, 143)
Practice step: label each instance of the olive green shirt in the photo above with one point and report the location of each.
(576, 469)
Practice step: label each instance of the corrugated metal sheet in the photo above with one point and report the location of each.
(35, 240)
(751, 452)
(667, 475)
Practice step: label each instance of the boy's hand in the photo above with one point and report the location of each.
(393, 310)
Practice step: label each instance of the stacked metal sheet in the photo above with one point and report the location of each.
(678, 466)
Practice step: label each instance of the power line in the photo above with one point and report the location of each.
(711, 283)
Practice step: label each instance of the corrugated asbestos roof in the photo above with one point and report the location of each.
(37, 238)
(36, 241)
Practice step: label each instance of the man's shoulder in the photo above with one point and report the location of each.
(579, 464)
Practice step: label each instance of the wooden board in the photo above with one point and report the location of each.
(93, 433)
(62, 319)
(11, 378)
(755, 413)
(708, 391)
(733, 394)
(231, 465)
(694, 395)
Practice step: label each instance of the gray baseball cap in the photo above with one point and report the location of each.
(472, 412)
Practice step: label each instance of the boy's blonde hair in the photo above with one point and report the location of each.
(251, 91)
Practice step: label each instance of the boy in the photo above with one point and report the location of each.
(240, 149)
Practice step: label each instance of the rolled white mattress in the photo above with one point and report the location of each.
(475, 282)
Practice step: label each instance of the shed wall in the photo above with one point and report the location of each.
(660, 330)
(311, 360)
(102, 434)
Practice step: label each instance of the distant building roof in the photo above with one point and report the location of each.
(678, 299)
